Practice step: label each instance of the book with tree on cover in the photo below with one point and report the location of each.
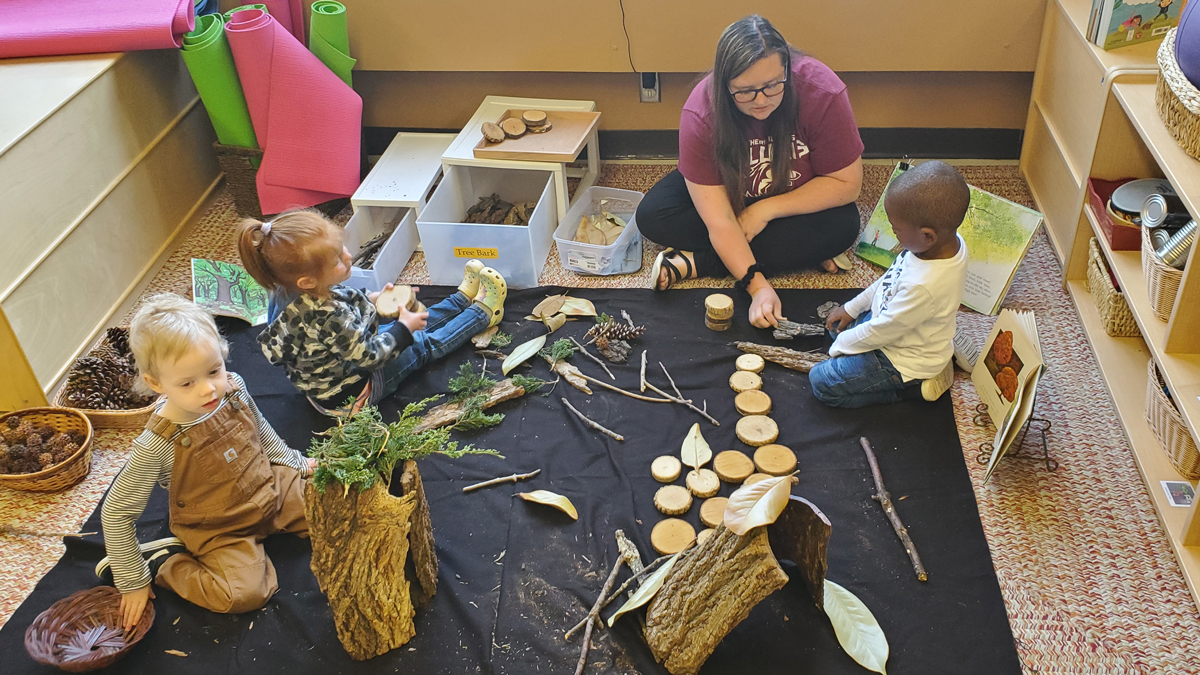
(1007, 376)
(226, 289)
(997, 233)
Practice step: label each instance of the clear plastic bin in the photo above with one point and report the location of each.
(623, 256)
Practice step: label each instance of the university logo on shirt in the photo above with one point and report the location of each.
(760, 165)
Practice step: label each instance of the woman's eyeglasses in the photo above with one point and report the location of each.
(770, 91)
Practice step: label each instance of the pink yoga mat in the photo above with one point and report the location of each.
(51, 27)
(307, 121)
(289, 14)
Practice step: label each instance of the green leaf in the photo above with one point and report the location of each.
(646, 592)
(522, 353)
(856, 628)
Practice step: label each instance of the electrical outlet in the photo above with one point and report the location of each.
(650, 91)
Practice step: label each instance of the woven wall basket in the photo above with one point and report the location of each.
(1168, 427)
(1114, 311)
(1162, 280)
(1178, 101)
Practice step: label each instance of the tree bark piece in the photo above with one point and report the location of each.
(712, 511)
(757, 430)
(703, 535)
(484, 339)
(788, 358)
(751, 363)
(744, 380)
(706, 594)
(673, 500)
(790, 329)
(666, 469)
(361, 543)
(732, 466)
(592, 424)
(801, 534)
(448, 413)
(672, 535)
(775, 460)
(703, 483)
(753, 402)
(885, 500)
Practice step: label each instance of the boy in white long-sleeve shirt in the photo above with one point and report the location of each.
(895, 339)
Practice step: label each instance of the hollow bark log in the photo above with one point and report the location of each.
(788, 358)
(420, 535)
(448, 413)
(801, 534)
(708, 592)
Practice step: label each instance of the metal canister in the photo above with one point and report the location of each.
(1175, 252)
(1159, 237)
(1164, 210)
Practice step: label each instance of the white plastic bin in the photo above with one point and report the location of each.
(516, 251)
(623, 256)
(370, 221)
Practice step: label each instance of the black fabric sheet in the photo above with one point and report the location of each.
(514, 575)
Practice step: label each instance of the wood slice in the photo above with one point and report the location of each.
(540, 129)
(712, 511)
(775, 459)
(744, 380)
(714, 324)
(755, 477)
(513, 127)
(666, 469)
(732, 466)
(703, 483)
(492, 132)
(389, 302)
(753, 402)
(533, 118)
(751, 362)
(673, 500)
(718, 306)
(703, 535)
(672, 535)
(757, 430)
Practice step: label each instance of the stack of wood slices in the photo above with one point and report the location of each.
(718, 311)
(530, 121)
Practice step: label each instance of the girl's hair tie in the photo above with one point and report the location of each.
(265, 229)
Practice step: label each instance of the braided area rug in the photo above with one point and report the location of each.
(1087, 573)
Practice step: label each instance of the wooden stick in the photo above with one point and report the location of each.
(591, 423)
(588, 354)
(592, 616)
(9, 529)
(670, 379)
(681, 400)
(624, 587)
(625, 315)
(643, 371)
(503, 479)
(630, 394)
(885, 500)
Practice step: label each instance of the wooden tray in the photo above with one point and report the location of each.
(562, 143)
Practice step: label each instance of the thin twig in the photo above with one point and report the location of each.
(504, 479)
(592, 423)
(670, 379)
(9, 529)
(588, 354)
(630, 394)
(680, 400)
(643, 371)
(593, 614)
(885, 500)
(625, 315)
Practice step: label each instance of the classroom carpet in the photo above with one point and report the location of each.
(1086, 571)
(515, 575)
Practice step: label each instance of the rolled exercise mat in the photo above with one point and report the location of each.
(307, 121)
(208, 58)
(230, 13)
(329, 38)
(289, 14)
(40, 28)
(206, 7)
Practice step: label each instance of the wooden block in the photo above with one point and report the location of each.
(666, 469)
(718, 306)
(744, 380)
(673, 500)
(703, 483)
(732, 466)
(757, 430)
(712, 511)
(755, 477)
(753, 402)
(703, 536)
(672, 535)
(774, 459)
(513, 127)
(751, 363)
(533, 118)
(492, 132)
(714, 324)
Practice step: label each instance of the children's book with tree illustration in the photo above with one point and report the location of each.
(226, 289)
(997, 233)
(1007, 376)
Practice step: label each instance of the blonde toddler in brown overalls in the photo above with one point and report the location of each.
(232, 480)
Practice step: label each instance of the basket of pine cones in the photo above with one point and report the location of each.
(44, 449)
(101, 385)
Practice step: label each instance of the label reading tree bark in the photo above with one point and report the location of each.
(469, 252)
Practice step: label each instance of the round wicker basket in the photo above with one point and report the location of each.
(66, 473)
(65, 635)
(1177, 99)
(107, 419)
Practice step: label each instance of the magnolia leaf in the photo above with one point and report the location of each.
(696, 452)
(484, 339)
(551, 305)
(554, 322)
(551, 499)
(856, 628)
(578, 307)
(646, 591)
(757, 504)
(530, 317)
(522, 353)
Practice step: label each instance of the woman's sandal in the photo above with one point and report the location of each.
(674, 276)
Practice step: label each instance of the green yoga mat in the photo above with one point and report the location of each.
(229, 14)
(329, 39)
(209, 60)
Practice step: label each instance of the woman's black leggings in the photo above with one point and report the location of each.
(667, 216)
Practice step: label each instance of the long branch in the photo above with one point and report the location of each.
(593, 614)
(592, 423)
(630, 394)
(583, 350)
(503, 479)
(885, 500)
(680, 400)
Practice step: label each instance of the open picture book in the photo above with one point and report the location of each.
(226, 289)
(1006, 377)
(997, 233)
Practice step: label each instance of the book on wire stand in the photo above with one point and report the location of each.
(1006, 378)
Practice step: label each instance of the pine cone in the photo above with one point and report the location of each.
(12, 422)
(46, 460)
(16, 453)
(64, 453)
(33, 440)
(118, 337)
(611, 330)
(4, 464)
(77, 437)
(12, 436)
(25, 429)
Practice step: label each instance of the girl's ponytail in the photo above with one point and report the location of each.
(290, 246)
(251, 236)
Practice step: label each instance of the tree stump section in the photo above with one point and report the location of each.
(672, 535)
(744, 380)
(801, 534)
(492, 132)
(447, 413)
(718, 307)
(706, 594)
(712, 511)
(755, 477)
(533, 118)
(732, 466)
(513, 127)
(673, 500)
(666, 469)
(389, 302)
(361, 542)
(757, 430)
(751, 363)
(703, 483)
(753, 402)
(774, 459)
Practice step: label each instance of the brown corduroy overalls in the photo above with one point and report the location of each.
(226, 497)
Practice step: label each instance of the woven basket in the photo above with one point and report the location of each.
(1168, 427)
(64, 474)
(1162, 280)
(1114, 311)
(107, 419)
(1178, 101)
(54, 628)
(238, 165)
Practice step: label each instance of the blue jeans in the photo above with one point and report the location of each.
(451, 323)
(859, 380)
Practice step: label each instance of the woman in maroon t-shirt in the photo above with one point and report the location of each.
(723, 211)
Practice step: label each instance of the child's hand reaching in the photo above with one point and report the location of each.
(839, 319)
(133, 604)
(415, 321)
